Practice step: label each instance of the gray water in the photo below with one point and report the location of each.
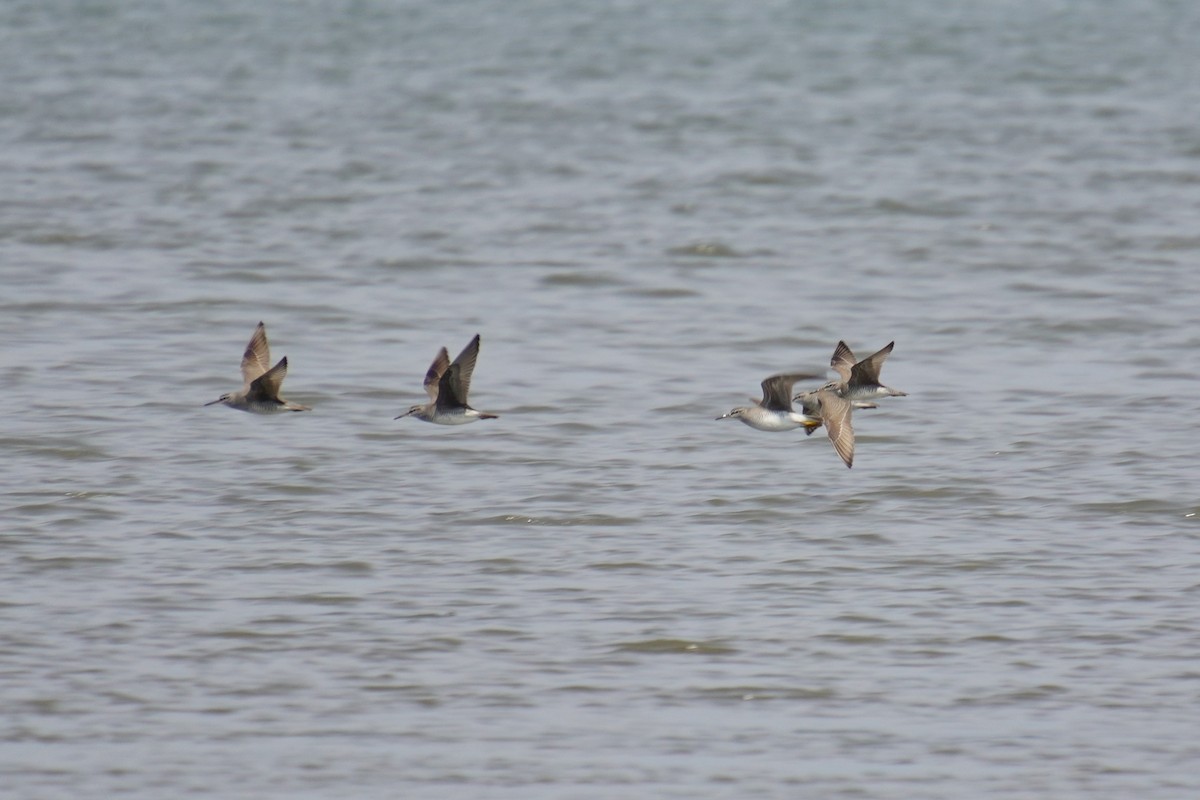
(645, 209)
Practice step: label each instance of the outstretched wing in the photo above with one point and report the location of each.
(835, 413)
(867, 370)
(458, 377)
(267, 385)
(256, 360)
(777, 389)
(434, 374)
(843, 360)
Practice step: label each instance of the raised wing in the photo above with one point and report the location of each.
(267, 385)
(458, 376)
(448, 396)
(843, 360)
(777, 390)
(256, 360)
(434, 374)
(867, 370)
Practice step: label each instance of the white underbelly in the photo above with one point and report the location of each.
(780, 423)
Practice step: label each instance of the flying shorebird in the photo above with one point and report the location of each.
(774, 412)
(447, 384)
(834, 401)
(260, 392)
(832, 410)
(860, 381)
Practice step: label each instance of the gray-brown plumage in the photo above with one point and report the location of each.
(261, 382)
(774, 412)
(834, 413)
(448, 383)
(777, 390)
(434, 374)
(834, 402)
(861, 379)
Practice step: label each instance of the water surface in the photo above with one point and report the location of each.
(644, 209)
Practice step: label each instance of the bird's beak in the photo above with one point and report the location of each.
(214, 402)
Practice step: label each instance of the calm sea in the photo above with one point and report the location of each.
(645, 208)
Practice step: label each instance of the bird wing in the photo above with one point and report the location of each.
(867, 370)
(434, 374)
(267, 385)
(448, 396)
(458, 377)
(843, 360)
(257, 357)
(777, 390)
(835, 412)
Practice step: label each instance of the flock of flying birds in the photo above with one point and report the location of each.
(448, 382)
(829, 406)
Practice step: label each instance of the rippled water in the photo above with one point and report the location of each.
(644, 208)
